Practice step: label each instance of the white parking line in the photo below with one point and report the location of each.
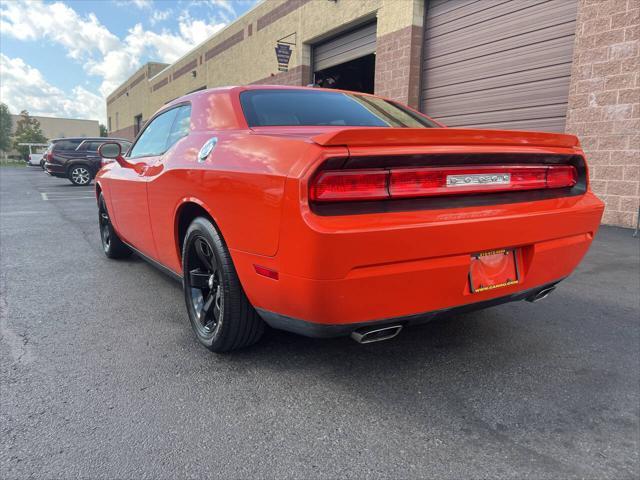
(47, 198)
(69, 198)
(75, 192)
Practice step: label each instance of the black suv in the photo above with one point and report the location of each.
(77, 158)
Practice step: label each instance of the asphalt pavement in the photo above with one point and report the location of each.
(101, 376)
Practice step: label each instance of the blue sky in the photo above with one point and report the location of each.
(62, 58)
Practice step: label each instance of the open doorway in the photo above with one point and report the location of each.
(356, 75)
(347, 60)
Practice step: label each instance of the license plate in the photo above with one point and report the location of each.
(494, 269)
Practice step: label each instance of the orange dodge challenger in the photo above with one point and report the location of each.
(328, 213)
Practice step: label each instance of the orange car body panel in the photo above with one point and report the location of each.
(341, 269)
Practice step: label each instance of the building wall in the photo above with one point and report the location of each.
(53, 127)
(243, 53)
(604, 102)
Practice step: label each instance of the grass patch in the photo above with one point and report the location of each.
(12, 163)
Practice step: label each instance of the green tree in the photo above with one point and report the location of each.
(103, 131)
(27, 131)
(5, 128)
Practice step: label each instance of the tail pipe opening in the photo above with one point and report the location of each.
(544, 293)
(375, 334)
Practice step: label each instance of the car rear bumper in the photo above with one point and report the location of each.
(346, 272)
(323, 330)
(55, 170)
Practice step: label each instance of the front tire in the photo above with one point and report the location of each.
(219, 311)
(112, 246)
(80, 175)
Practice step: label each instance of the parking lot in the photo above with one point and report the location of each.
(102, 377)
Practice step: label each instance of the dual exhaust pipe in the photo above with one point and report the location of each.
(375, 334)
(544, 293)
(378, 334)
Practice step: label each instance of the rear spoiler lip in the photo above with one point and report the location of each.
(383, 136)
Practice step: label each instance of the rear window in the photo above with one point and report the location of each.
(264, 108)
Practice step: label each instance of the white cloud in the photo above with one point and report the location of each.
(142, 3)
(58, 23)
(102, 54)
(195, 32)
(224, 5)
(160, 16)
(23, 87)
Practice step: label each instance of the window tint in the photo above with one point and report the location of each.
(181, 125)
(153, 140)
(125, 146)
(66, 145)
(319, 108)
(92, 147)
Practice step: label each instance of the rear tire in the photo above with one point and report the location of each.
(80, 175)
(112, 246)
(219, 311)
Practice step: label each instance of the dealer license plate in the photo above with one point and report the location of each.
(493, 269)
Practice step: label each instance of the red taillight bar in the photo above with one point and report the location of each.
(333, 186)
(378, 184)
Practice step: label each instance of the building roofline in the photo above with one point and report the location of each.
(57, 118)
(141, 67)
(186, 54)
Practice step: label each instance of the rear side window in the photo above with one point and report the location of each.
(92, 147)
(181, 125)
(125, 146)
(153, 140)
(66, 145)
(263, 108)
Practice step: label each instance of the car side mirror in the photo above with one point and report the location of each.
(113, 151)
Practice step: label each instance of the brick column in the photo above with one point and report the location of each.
(398, 66)
(399, 50)
(604, 102)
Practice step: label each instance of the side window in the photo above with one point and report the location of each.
(92, 147)
(153, 140)
(66, 145)
(181, 125)
(125, 146)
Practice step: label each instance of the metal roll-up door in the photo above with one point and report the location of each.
(349, 46)
(502, 64)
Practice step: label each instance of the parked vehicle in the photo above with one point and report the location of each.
(329, 213)
(77, 159)
(36, 152)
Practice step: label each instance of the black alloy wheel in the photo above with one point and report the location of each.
(220, 313)
(105, 234)
(112, 246)
(205, 286)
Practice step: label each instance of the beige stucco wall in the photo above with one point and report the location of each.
(253, 58)
(53, 127)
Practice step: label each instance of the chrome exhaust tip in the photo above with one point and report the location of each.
(375, 334)
(544, 293)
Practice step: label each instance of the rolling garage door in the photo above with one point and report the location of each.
(344, 48)
(498, 64)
